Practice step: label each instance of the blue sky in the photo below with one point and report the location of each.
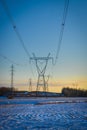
(39, 23)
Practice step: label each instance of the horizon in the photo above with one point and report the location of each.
(39, 24)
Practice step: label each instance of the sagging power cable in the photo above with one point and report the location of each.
(62, 29)
(11, 61)
(15, 27)
(17, 33)
(6, 58)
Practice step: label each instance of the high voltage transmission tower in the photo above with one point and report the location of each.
(12, 73)
(46, 81)
(30, 85)
(75, 85)
(41, 82)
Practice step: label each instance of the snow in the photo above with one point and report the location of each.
(29, 114)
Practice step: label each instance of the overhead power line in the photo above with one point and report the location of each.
(15, 27)
(17, 33)
(62, 28)
(6, 58)
(11, 61)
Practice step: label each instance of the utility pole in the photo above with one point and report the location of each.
(41, 71)
(12, 73)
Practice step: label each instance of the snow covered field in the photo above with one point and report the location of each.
(43, 114)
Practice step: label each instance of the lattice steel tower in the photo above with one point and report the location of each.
(12, 89)
(41, 71)
(30, 85)
(46, 82)
(12, 70)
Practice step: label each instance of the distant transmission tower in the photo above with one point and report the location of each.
(30, 85)
(41, 71)
(75, 85)
(46, 81)
(12, 73)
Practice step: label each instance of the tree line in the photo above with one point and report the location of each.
(67, 92)
(71, 92)
(5, 90)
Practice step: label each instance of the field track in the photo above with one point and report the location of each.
(43, 114)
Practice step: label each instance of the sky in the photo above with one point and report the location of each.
(39, 24)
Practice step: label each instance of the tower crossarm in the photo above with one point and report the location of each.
(41, 58)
